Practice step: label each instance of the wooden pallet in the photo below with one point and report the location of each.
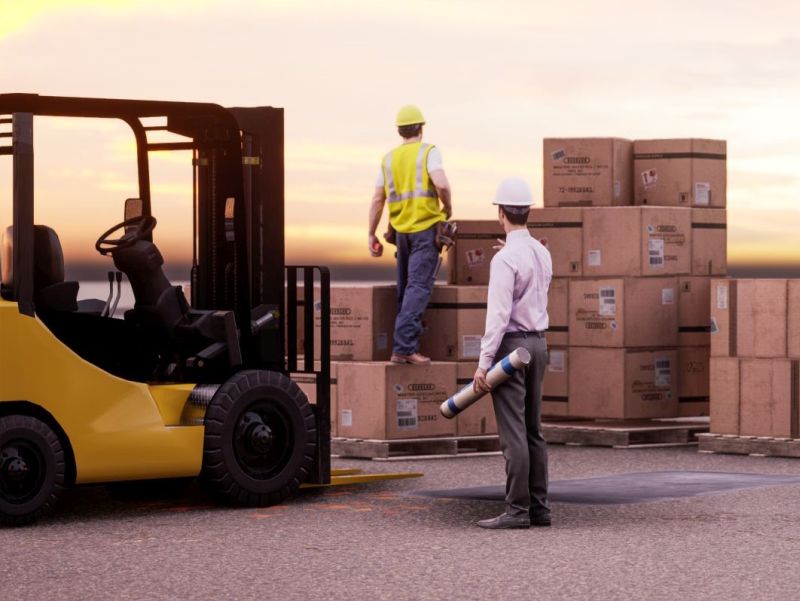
(600, 433)
(625, 433)
(416, 448)
(749, 445)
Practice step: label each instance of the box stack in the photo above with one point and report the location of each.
(755, 357)
(372, 398)
(635, 231)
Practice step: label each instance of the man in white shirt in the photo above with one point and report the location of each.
(519, 277)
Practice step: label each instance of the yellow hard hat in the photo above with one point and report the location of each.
(409, 115)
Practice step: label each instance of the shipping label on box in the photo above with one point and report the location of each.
(587, 172)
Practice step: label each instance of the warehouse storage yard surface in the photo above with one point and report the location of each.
(387, 541)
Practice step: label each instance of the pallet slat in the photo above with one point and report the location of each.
(749, 445)
(607, 433)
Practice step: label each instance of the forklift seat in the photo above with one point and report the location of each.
(162, 310)
(50, 291)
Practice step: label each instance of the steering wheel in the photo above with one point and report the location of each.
(137, 228)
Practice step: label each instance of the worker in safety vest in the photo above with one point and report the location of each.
(516, 316)
(413, 182)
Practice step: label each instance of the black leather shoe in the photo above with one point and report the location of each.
(505, 521)
(540, 520)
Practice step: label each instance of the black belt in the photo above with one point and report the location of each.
(524, 334)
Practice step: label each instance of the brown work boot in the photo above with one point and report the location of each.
(415, 359)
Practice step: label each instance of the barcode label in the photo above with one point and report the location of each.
(656, 251)
(471, 345)
(406, 414)
(722, 296)
(663, 370)
(556, 361)
(702, 193)
(594, 258)
(608, 301)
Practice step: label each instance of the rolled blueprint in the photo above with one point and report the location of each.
(499, 373)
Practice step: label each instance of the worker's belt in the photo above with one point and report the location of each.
(524, 334)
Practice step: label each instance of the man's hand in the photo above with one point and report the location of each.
(500, 244)
(479, 383)
(375, 246)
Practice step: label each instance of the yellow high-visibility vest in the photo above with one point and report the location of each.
(412, 198)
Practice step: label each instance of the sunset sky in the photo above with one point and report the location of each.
(493, 78)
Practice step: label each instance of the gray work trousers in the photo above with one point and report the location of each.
(417, 259)
(518, 407)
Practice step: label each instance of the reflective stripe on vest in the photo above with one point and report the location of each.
(413, 201)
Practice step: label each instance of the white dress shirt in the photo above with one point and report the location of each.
(519, 277)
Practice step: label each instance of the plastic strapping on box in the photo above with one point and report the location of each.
(795, 399)
(732, 319)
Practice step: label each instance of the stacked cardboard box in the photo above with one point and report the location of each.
(755, 357)
(635, 231)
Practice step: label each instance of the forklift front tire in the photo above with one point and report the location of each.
(32, 469)
(260, 439)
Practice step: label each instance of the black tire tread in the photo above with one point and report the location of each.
(59, 482)
(214, 471)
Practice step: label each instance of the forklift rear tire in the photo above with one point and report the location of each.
(32, 469)
(260, 439)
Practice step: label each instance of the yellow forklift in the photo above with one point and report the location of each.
(176, 387)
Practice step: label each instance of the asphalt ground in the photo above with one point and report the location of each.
(386, 541)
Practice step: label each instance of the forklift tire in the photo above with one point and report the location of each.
(32, 469)
(260, 439)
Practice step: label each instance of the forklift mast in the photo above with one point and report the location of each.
(238, 224)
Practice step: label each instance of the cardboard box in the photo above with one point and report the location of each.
(693, 380)
(468, 259)
(680, 173)
(633, 241)
(769, 400)
(709, 242)
(622, 383)
(561, 232)
(308, 384)
(555, 389)
(453, 323)
(586, 172)
(724, 394)
(694, 311)
(479, 418)
(793, 319)
(748, 318)
(624, 312)
(362, 322)
(558, 312)
(391, 401)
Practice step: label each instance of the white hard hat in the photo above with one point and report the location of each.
(513, 192)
